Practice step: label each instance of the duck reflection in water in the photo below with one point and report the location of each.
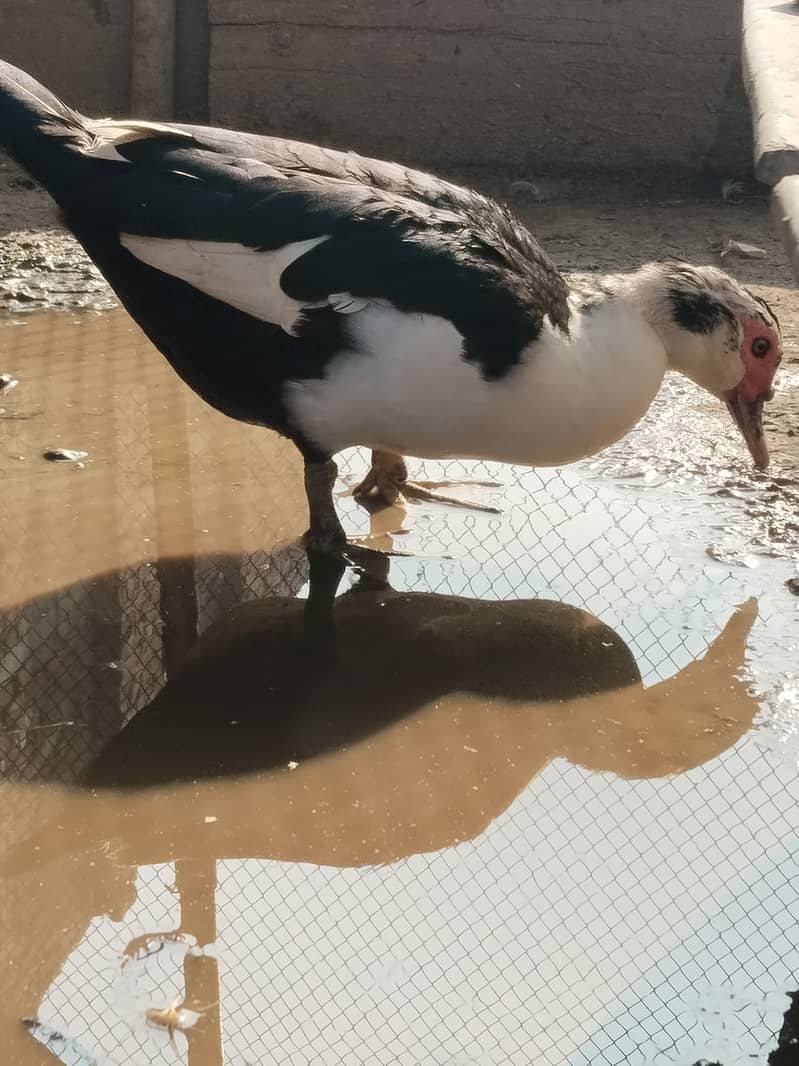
(407, 725)
(400, 723)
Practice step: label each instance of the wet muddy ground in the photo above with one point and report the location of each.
(536, 802)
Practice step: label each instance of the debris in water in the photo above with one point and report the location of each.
(175, 1018)
(62, 1047)
(64, 455)
(292, 765)
(792, 584)
(731, 556)
(728, 246)
(210, 819)
(7, 383)
(34, 728)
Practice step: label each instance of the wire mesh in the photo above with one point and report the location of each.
(597, 920)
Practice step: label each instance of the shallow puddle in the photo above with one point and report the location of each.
(535, 802)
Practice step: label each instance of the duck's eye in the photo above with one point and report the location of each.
(760, 347)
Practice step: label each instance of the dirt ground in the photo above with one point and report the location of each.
(598, 226)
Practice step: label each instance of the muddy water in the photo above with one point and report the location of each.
(536, 801)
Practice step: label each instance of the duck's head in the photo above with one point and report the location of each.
(720, 335)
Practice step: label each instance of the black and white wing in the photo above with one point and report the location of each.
(276, 229)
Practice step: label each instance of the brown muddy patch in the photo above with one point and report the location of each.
(163, 475)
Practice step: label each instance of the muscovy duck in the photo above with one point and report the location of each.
(340, 300)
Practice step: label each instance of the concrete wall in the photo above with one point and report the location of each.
(79, 48)
(530, 85)
(525, 85)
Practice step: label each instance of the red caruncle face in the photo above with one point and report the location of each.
(761, 352)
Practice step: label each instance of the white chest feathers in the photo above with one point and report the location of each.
(402, 382)
(404, 385)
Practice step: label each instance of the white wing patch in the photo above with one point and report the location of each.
(245, 278)
(109, 132)
(347, 304)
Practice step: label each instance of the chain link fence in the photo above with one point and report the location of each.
(599, 919)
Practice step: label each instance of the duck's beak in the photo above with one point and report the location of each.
(748, 415)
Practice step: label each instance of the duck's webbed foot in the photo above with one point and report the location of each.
(387, 479)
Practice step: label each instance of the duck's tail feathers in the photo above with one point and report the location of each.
(40, 131)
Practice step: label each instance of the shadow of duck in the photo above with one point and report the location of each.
(412, 731)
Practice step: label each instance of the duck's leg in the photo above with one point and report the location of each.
(325, 531)
(388, 479)
(325, 570)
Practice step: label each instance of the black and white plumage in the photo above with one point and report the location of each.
(343, 301)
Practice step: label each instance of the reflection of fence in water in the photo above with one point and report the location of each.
(521, 939)
(476, 966)
(98, 652)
